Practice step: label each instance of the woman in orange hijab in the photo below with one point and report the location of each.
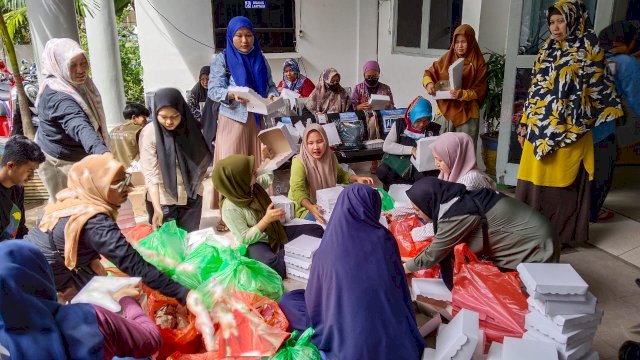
(462, 113)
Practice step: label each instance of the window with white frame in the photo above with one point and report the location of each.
(425, 27)
(273, 22)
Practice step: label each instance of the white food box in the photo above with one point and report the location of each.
(98, 289)
(379, 102)
(326, 199)
(283, 202)
(422, 233)
(300, 265)
(547, 325)
(300, 127)
(257, 104)
(424, 161)
(303, 247)
(374, 144)
(332, 134)
(196, 238)
(454, 82)
(478, 353)
(592, 355)
(290, 96)
(429, 354)
(547, 278)
(522, 349)
(495, 351)
(565, 351)
(398, 193)
(431, 288)
(282, 144)
(459, 338)
(553, 308)
(297, 275)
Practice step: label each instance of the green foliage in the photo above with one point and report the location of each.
(130, 60)
(17, 25)
(493, 101)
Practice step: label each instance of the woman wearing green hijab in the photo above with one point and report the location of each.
(250, 215)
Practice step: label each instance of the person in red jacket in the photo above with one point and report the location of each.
(293, 80)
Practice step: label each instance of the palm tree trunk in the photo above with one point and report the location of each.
(27, 125)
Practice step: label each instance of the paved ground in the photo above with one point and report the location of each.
(610, 264)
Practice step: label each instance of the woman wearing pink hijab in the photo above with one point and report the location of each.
(455, 157)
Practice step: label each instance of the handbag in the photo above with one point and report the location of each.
(81, 274)
(400, 164)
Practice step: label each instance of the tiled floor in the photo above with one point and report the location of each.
(610, 266)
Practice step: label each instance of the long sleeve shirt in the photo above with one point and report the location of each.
(299, 186)
(392, 146)
(65, 131)
(219, 82)
(131, 334)
(151, 169)
(467, 95)
(12, 220)
(102, 236)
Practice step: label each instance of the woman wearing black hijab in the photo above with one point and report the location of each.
(198, 94)
(174, 159)
(516, 232)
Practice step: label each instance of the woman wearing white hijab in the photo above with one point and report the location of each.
(72, 120)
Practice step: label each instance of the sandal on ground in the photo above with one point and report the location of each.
(604, 215)
(222, 227)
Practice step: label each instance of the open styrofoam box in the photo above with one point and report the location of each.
(424, 161)
(326, 199)
(454, 82)
(459, 338)
(283, 202)
(303, 247)
(522, 349)
(553, 308)
(566, 352)
(98, 289)
(281, 143)
(545, 278)
(431, 288)
(257, 104)
(398, 193)
(549, 326)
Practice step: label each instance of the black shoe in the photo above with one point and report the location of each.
(630, 350)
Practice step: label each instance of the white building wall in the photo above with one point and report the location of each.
(331, 33)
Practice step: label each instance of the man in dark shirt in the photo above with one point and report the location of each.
(20, 159)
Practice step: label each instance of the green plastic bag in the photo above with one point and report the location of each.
(301, 349)
(164, 248)
(198, 266)
(242, 273)
(387, 201)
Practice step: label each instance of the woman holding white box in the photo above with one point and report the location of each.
(400, 144)
(251, 215)
(316, 168)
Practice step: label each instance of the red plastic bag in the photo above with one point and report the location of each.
(433, 273)
(401, 230)
(185, 340)
(264, 307)
(138, 233)
(480, 286)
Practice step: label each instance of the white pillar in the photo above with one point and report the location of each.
(50, 19)
(104, 54)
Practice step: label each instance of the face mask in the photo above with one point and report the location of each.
(371, 81)
(334, 87)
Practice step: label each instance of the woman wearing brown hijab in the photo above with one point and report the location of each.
(462, 113)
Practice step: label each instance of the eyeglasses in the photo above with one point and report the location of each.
(120, 186)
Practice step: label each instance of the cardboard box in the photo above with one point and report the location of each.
(326, 199)
(283, 202)
(282, 145)
(257, 104)
(424, 161)
(565, 351)
(459, 338)
(431, 288)
(379, 102)
(570, 339)
(522, 349)
(303, 247)
(454, 82)
(553, 308)
(98, 289)
(543, 278)
(547, 325)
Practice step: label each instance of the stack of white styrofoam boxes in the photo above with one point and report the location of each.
(283, 202)
(326, 199)
(126, 218)
(561, 309)
(522, 349)
(461, 339)
(298, 255)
